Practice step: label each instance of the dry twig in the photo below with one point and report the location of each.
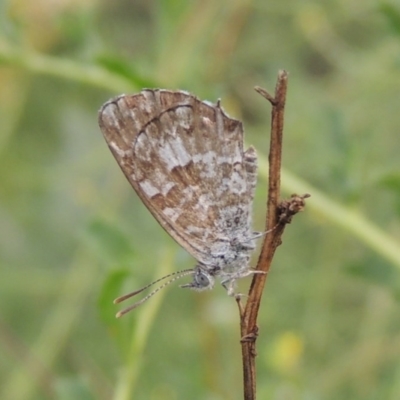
(279, 214)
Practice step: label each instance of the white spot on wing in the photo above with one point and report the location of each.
(166, 187)
(108, 114)
(174, 153)
(184, 116)
(172, 213)
(148, 188)
(121, 153)
(181, 152)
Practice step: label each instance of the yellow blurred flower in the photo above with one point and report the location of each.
(286, 353)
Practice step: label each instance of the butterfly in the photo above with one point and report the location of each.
(185, 159)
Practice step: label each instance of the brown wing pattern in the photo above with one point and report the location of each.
(185, 160)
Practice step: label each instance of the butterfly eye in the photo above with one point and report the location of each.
(202, 280)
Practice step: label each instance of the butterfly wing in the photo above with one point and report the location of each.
(185, 160)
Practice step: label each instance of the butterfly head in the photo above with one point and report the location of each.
(203, 279)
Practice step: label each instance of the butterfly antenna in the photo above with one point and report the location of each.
(177, 275)
(134, 293)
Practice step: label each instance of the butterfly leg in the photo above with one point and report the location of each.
(230, 282)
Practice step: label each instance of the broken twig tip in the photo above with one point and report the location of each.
(288, 208)
(265, 94)
(282, 74)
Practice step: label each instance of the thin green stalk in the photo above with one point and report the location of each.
(140, 333)
(62, 319)
(91, 75)
(349, 219)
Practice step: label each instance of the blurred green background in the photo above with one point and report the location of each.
(74, 234)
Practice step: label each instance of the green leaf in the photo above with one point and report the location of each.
(376, 271)
(125, 69)
(72, 388)
(119, 329)
(109, 242)
(110, 290)
(391, 182)
(392, 15)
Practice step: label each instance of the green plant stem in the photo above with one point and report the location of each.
(23, 382)
(91, 75)
(140, 334)
(351, 220)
